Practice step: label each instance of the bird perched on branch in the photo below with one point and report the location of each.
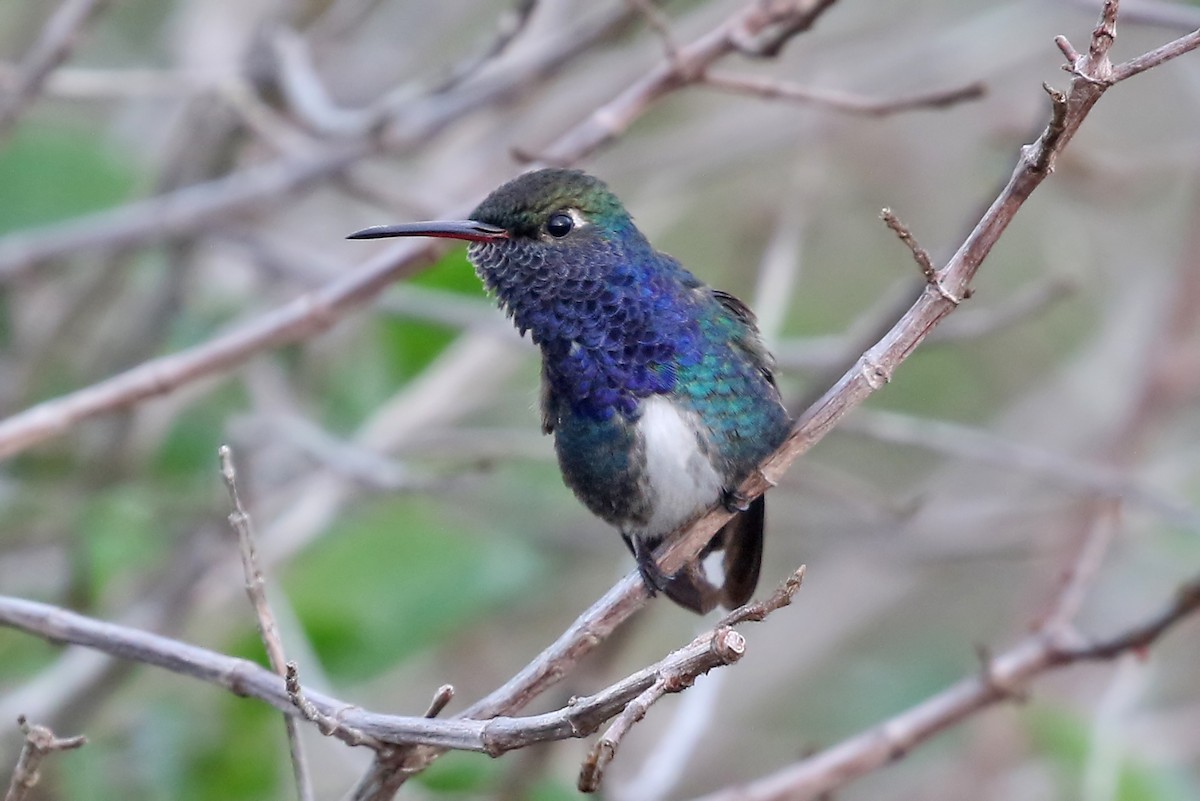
(657, 388)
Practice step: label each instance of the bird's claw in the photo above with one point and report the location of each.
(734, 501)
(652, 575)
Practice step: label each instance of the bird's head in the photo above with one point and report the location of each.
(544, 243)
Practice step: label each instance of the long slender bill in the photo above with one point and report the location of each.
(470, 230)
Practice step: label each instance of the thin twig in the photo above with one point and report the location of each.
(659, 24)
(186, 211)
(443, 696)
(39, 742)
(60, 35)
(1151, 12)
(1136, 66)
(305, 92)
(686, 66)
(1018, 308)
(781, 27)
(1186, 601)
(670, 759)
(510, 26)
(1055, 469)
(1160, 393)
(326, 724)
(1004, 678)
(1008, 672)
(348, 722)
(920, 255)
(85, 83)
(872, 371)
(830, 351)
(307, 315)
(846, 102)
(721, 637)
(592, 771)
(240, 522)
(757, 611)
(1084, 567)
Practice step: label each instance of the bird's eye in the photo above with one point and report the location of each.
(559, 224)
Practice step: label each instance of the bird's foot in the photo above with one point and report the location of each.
(652, 575)
(734, 501)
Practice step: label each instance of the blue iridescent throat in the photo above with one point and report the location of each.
(614, 318)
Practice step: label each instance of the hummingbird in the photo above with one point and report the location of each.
(657, 388)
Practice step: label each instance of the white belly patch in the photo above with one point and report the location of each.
(682, 479)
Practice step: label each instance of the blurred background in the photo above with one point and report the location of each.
(411, 517)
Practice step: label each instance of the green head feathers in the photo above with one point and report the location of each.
(524, 204)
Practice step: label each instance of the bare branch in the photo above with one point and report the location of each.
(1136, 66)
(326, 724)
(1018, 308)
(1151, 12)
(83, 83)
(39, 742)
(872, 371)
(440, 699)
(239, 521)
(53, 46)
(1055, 469)
(186, 211)
(1139, 637)
(722, 638)
(307, 96)
(592, 771)
(177, 213)
(726, 645)
(510, 26)
(757, 611)
(832, 351)
(781, 20)
(920, 255)
(771, 89)
(352, 724)
(308, 314)
(659, 24)
(875, 367)
(1003, 678)
(769, 40)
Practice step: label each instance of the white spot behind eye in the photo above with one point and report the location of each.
(577, 217)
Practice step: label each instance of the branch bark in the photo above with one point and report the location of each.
(53, 46)
(40, 742)
(1002, 678)
(1093, 76)
(189, 210)
(493, 735)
